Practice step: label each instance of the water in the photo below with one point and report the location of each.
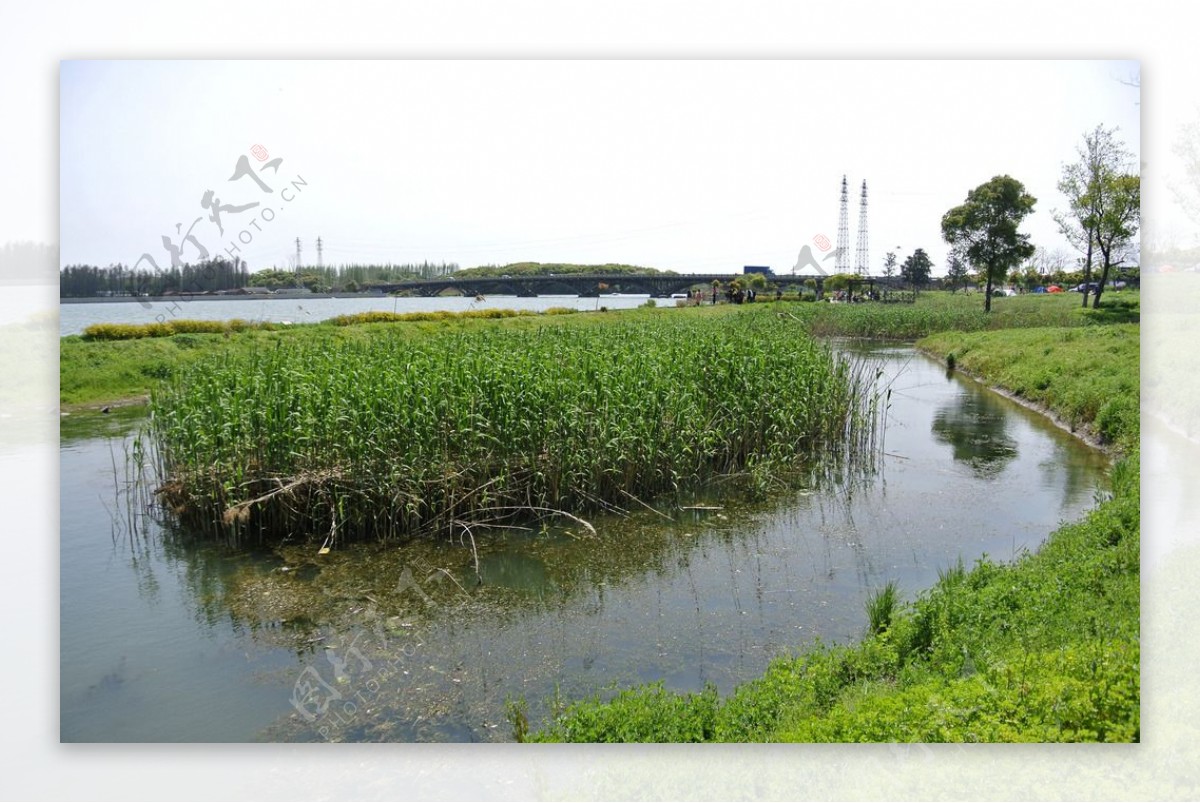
(166, 639)
(75, 317)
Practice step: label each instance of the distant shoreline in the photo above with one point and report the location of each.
(211, 297)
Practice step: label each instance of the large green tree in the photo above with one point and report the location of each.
(985, 228)
(916, 268)
(1104, 203)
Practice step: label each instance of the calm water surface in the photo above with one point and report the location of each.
(165, 639)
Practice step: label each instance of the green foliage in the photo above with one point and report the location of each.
(274, 279)
(916, 268)
(957, 271)
(132, 331)
(1104, 199)
(839, 281)
(645, 714)
(985, 228)
(80, 281)
(435, 315)
(881, 607)
(889, 264)
(403, 435)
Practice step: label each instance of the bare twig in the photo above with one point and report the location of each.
(643, 504)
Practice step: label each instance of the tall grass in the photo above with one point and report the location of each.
(387, 436)
(135, 331)
(944, 312)
(881, 607)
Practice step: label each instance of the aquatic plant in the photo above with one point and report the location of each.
(467, 428)
(881, 607)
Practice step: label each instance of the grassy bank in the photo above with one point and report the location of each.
(1086, 376)
(943, 312)
(393, 435)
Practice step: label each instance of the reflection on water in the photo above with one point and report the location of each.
(164, 637)
(975, 426)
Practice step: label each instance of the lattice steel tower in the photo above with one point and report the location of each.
(842, 262)
(861, 263)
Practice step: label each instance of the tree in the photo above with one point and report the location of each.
(1118, 225)
(916, 268)
(986, 229)
(889, 264)
(1104, 201)
(957, 270)
(1048, 262)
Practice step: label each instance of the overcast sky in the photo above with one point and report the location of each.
(694, 166)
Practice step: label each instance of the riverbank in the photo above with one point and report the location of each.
(1041, 650)
(1046, 648)
(1086, 380)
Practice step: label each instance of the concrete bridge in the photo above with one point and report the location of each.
(589, 285)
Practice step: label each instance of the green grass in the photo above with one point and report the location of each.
(94, 372)
(1087, 376)
(1046, 649)
(393, 435)
(943, 311)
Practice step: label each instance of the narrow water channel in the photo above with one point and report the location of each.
(167, 639)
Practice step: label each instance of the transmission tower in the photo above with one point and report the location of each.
(842, 262)
(320, 261)
(860, 256)
(298, 255)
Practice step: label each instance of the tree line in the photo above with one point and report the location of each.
(220, 274)
(86, 281)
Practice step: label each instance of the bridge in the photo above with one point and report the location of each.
(590, 285)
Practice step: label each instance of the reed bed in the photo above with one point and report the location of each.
(389, 437)
(136, 331)
(428, 315)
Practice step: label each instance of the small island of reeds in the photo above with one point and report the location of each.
(393, 437)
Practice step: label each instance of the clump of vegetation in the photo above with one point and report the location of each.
(380, 436)
(134, 331)
(432, 315)
(881, 607)
(945, 312)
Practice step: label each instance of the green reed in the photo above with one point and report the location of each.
(393, 437)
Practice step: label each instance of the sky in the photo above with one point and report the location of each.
(685, 165)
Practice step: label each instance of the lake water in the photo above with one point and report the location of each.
(75, 317)
(164, 638)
